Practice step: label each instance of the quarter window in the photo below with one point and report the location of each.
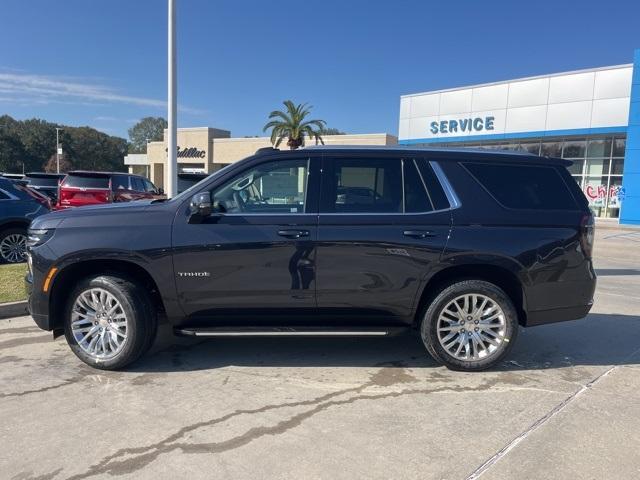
(278, 187)
(524, 186)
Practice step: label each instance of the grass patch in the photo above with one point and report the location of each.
(12, 282)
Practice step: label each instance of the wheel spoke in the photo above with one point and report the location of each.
(98, 323)
(471, 327)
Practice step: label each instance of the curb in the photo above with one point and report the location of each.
(13, 309)
(614, 225)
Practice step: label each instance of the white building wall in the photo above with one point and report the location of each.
(597, 98)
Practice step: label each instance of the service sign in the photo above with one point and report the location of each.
(463, 125)
(458, 126)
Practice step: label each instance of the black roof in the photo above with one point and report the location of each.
(44, 175)
(439, 153)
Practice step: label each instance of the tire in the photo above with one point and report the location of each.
(125, 326)
(490, 329)
(13, 245)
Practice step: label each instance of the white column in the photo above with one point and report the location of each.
(172, 165)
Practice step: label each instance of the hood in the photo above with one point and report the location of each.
(118, 210)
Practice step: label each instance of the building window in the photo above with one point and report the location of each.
(551, 149)
(574, 148)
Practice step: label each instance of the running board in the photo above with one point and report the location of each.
(286, 332)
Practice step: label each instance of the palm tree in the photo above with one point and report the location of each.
(291, 124)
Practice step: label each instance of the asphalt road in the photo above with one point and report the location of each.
(566, 404)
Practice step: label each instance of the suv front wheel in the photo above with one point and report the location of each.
(108, 322)
(469, 326)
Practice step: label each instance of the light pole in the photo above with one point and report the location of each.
(172, 166)
(58, 149)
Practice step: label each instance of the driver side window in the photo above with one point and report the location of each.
(278, 187)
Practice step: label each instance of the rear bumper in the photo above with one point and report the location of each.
(543, 317)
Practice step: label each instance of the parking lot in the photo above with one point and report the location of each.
(565, 404)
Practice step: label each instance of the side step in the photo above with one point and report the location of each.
(287, 332)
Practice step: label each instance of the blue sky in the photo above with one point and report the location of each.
(103, 62)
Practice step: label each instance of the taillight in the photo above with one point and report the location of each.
(587, 234)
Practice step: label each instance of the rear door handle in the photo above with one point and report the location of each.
(418, 233)
(293, 233)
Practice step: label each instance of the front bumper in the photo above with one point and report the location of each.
(37, 304)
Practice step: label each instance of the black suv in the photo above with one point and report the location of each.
(460, 246)
(45, 183)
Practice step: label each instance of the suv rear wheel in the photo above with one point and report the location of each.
(108, 322)
(13, 245)
(469, 326)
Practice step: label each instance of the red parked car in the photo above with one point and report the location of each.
(80, 188)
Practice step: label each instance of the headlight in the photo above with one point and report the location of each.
(38, 237)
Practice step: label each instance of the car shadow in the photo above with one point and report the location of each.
(598, 340)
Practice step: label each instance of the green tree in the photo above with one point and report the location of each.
(38, 138)
(32, 143)
(93, 150)
(52, 164)
(149, 129)
(12, 154)
(292, 125)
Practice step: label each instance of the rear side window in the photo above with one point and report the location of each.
(119, 182)
(83, 181)
(137, 184)
(416, 197)
(531, 187)
(436, 192)
(363, 185)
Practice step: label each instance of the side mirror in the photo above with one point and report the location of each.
(161, 191)
(200, 207)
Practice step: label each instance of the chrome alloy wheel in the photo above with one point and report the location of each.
(99, 324)
(471, 327)
(13, 248)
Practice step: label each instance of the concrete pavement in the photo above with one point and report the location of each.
(565, 404)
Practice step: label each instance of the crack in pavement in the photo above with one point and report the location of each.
(64, 383)
(482, 469)
(139, 457)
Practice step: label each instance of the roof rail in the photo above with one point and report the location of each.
(262, 150)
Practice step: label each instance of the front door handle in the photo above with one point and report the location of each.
(293, 233)
(418, 233)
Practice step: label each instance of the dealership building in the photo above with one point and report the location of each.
(206, 149)
(591, 117)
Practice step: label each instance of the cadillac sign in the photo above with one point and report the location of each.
(191, 152)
